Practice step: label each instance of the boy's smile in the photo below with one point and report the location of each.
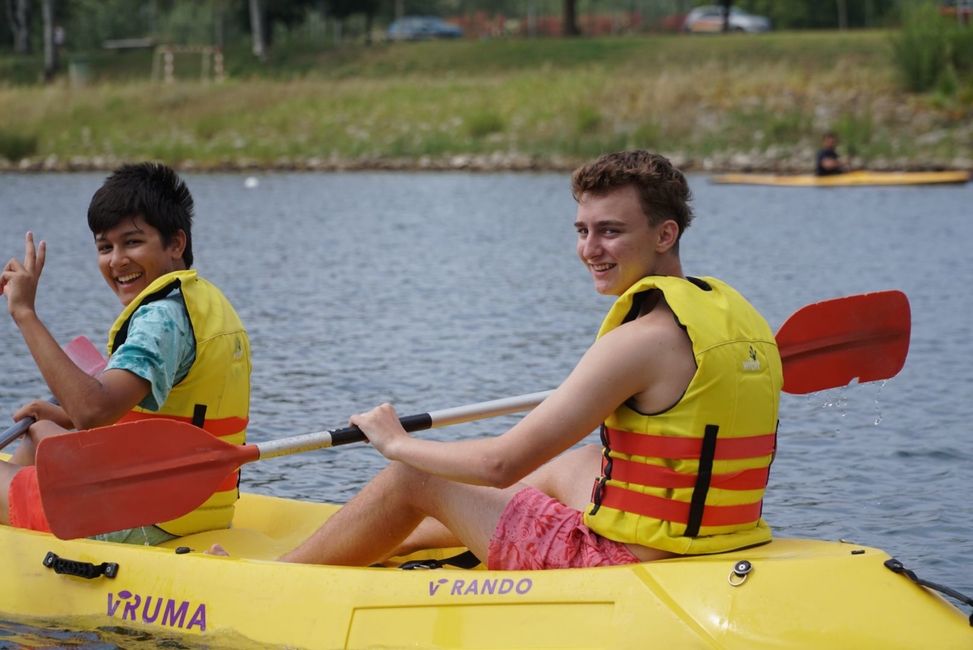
(132, 255)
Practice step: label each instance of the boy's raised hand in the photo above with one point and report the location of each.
(19, 280)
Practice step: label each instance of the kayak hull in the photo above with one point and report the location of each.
(799, 594)
(857, 178)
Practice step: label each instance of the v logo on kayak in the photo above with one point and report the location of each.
(481, 586)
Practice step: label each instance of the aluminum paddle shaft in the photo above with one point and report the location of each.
(420, 422)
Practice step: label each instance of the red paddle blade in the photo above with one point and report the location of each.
(132, 474)
(85, 355)
(830, 343)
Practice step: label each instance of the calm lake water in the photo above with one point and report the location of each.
(437, 290)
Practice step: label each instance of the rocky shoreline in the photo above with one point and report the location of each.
(764, 162)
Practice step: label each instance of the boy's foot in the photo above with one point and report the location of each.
(216, 549)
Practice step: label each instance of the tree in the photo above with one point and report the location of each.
(18, 15)
(727, 5)
(50, 47)
(257, 30)
(570, 19)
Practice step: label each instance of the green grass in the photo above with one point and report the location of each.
(712, 102)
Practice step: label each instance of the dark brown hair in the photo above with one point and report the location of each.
(663, 191)
(150, 190)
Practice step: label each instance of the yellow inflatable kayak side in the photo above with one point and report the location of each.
(797, 594)
(856, 178)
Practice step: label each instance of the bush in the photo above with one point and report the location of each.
(587, 120)
(17, 146)
(855, 131)
(961, 47)
(484, 123)
(920, 50)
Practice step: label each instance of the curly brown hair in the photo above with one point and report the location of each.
(663, 191)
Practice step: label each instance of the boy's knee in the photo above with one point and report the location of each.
(406, 474)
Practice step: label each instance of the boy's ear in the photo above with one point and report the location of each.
(177, 243)
(668, 234)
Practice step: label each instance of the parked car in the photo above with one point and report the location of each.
(709, 19)
(417, 28)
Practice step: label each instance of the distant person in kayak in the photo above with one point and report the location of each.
(683, 380)
(827, 161)
(177, 350)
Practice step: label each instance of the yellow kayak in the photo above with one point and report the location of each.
(790, 593)
(841, 180)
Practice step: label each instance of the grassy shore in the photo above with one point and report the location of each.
(711, 103)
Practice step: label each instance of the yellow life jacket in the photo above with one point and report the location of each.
(691, 478)
(214, 395)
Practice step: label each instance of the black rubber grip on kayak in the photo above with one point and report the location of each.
(410, 423)
(80, 569)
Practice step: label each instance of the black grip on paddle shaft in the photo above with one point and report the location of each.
(410, 423)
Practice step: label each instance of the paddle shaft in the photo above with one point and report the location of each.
(17, 429)
(419, 422)
(84, 354)
(140, 472)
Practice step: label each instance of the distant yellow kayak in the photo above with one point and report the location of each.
(841, 180)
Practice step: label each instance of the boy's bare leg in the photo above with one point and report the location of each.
(430, 533)
(376, 522)
(7, 471)
(27, 449)
(568, 478)
(22, 456)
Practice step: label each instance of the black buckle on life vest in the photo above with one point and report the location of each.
(704, 475)
(599, 487)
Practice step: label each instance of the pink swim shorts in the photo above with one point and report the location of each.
(537, 531)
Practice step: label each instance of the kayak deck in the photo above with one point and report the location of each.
(798, 594)
(856, 178)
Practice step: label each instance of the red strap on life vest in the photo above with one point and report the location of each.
(640, 444)
(613, 496)
(218, 427)
(654, 476)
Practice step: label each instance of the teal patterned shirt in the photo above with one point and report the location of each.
(160, 347)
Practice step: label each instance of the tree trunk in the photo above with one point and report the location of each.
(219, 26)
(570, 18)
(257, 30)
(726, 14)
(18, 15)
(50, 48)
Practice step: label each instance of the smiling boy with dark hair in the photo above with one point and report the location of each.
(177, 350)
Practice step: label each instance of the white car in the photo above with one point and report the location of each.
(709, 19)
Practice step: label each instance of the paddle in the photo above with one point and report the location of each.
(144, 472)
(84, 355)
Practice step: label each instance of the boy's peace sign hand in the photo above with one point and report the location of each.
(18, 282)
